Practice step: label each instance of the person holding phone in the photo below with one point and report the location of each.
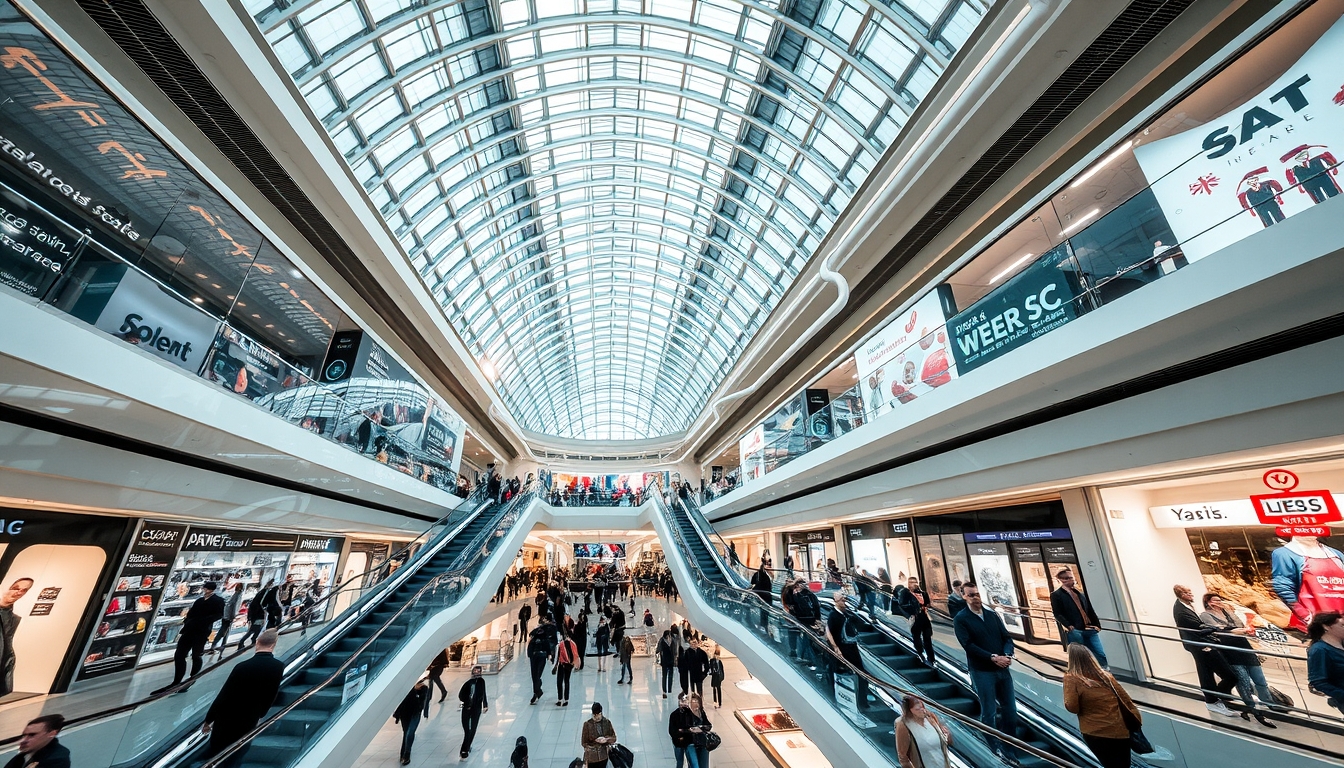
(598, 736)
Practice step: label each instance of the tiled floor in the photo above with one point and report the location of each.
(638, 712)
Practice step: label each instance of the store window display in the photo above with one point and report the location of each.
(1308, 577)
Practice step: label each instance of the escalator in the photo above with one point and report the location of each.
(829, 675)
(166, 722)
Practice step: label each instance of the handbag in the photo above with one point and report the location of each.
(1138, 743)
(620, 756)
(712, 741)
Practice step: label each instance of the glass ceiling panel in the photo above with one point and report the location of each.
(608, 197)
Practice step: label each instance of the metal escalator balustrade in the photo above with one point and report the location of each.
(829, 674)
(312, 700)
(133, 734)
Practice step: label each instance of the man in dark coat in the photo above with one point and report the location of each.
(201, 617)
(246, 696)
(1076, 616)
(472, 696)
(435, 670)
(1216, 678)
(38, 745)
(9, 624)
(914, 603)
(989, 654)
(697, 666)
(540, 649)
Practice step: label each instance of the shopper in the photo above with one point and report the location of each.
(1216, 678)
(956, 603)
(921, 738)
(1073, 610)
(1105, 712)
(989, 653)
(408, 714)
(256, 617)
(603, 640)
(716, 675)
(38, 745)
(435, 671)
(667, 659)
(539, 651)
(1239, 654)
(626, 653)
(580, 638)
(201, 617)
(1325, 657)
(519, 757)
(472, 696)
(524, 616)
(914, 603)
(843, 631)
(270, 601)
(566, 657)
(231, 608)
(247, 695)
(648, 618)
(697, 666)
(761, 585)
(598, 736)
(807, 611)
(688, 726)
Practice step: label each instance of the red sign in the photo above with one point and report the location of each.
(1280, 480)
(1292, 508)
(1289, 531)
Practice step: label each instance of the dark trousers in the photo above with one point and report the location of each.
(698, 686)
(224, 734)
(470, 719)
(1111, 753)
(667, 678)
(253, 632)
(685, 680)
(717, 686)
(188, 645)
(538, 667)
(562, 673)
(408, 736)
(998, 703)
(921, 630)
(522, 624)
(1209, 664)
(436, 678)
(851, 653)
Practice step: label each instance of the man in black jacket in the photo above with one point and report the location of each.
(914, 603)
(524, 616)
(246, 696)
(38, 745)
(1074, 613)
(540, 649)
(697, 666)
(989, 653)
(1209, 662)
(435, 671)
(472, 696)
(201, 617)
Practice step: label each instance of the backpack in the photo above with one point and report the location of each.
(806, 608)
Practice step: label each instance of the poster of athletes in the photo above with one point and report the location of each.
(1258, 164)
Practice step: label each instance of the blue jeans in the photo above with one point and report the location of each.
(1091, 639)
(692, 754)
(408, 736)
(998, 704)
(1252, 678)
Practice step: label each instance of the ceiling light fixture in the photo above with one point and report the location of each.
(1010, 268)
(488, 369)
(1105, 161)
(1086, 218)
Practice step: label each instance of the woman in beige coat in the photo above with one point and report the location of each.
(921, 738)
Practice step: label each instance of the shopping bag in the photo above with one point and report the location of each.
(620, 756)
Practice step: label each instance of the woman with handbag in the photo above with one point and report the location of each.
(921, 738)
(1107, 716)
(566, 656)
(688, 727)
(598, 737)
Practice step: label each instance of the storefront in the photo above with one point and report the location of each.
(886, 545)
(810, 551)
(253, 559)
(1205, 533)
(52, 567)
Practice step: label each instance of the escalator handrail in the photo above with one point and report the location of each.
(891, 690)
(729, 572)
(285, 627)
(472, 548)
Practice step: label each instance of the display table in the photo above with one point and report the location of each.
(493, 655)
(781, 738)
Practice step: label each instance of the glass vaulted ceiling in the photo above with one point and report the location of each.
(608, 197)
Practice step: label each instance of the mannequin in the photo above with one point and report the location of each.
(1308, 577)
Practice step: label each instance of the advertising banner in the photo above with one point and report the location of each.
(35, 250)
(224, 540)
(142, 313)
(120, 636)
(1258, 164)
(994, 574)
(907, 358)
(751, 455)
(1032, 303)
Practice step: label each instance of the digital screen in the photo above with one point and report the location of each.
(599, 551)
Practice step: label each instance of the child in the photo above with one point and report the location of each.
(519, 757)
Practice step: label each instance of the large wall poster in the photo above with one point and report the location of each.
(906, 358)
(1236, 175)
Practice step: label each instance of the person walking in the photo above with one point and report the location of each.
(256, 617)
(1240, 655)
(716, 675)
(539, 651)
(1073, 610)
(666, 652)
(270, 601)
(524, 616)
(1105, 712)
(566, 656)
(914, 603)
(684, 667)
(201, 617)
(435, 671)
(597, 737)
(472, 696)
(843, 632)
(1325, 657)
(626, 654)
(697, 665)
(603, 640)
(408, 714)
(764, 589)
(231, 608)
(989, 653)
(921, 738)
(1216, 678)
(247, 695)
(684, 725)
(580, 637)
(38, 745)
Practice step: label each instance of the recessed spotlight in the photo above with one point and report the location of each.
(198, 299)
(201, 275)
